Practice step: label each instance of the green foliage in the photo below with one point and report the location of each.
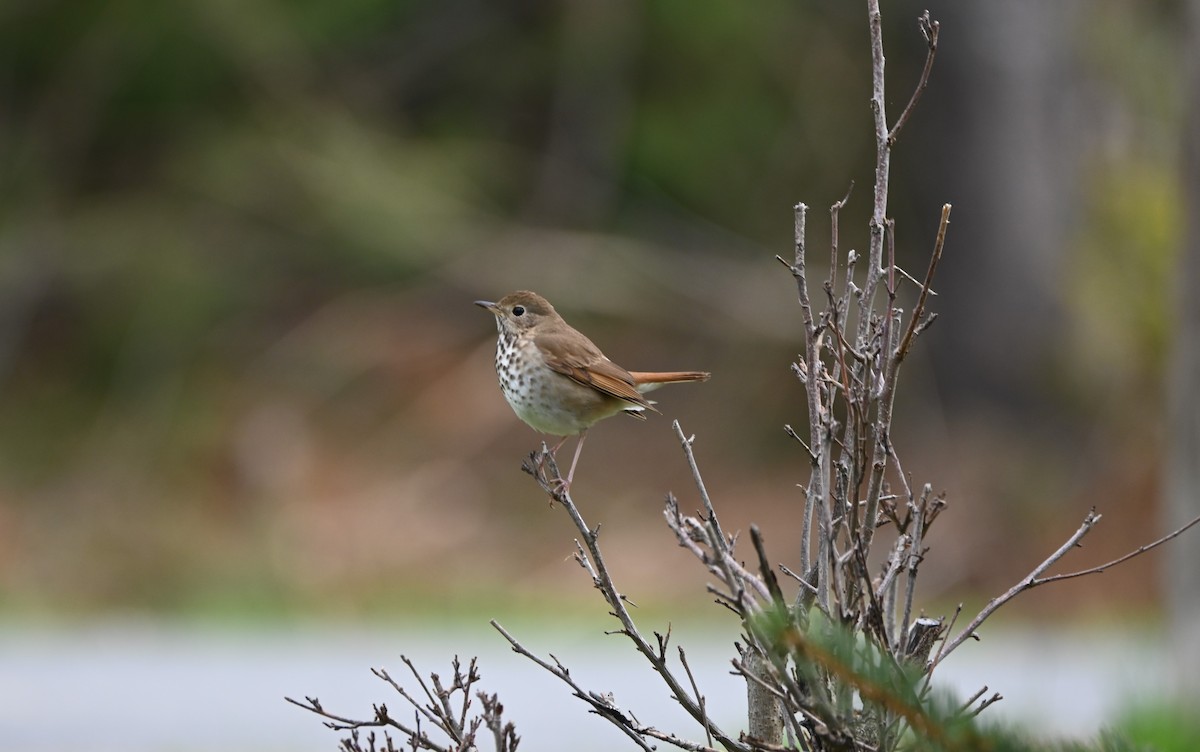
(854, 688)
(1162, 728)
(1122, 290)
(1132, 216)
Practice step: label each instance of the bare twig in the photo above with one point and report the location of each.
(914, 280)
(455, 723)
(686, 443)
(834, 217)
(886, 400)
(933, 664)
(504, 734)
(929, 28)
(915, 555)
(792, 432)
(1030, 580)
(690, 533)
(919, 310)
(883, 154)
(764, 565)
(545, 472)
(971, 700)
(818, 446)
(877, 226)
(342, 723)
(1139, 551)
(995, 698)
(696, 693)
(440, 715)
(895, 562)
(602, 704)
(676, 741)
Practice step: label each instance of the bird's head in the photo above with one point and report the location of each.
(520, 311)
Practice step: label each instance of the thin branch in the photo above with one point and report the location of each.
(971, 700)
(690, 532)
(792, 432)
(340, 723)
(942, 650)
(437, 712)
(913, 279)
(877, 225)
(539, 467)
(883, 153)
(919, 309)
(883, 419)
(695, 692)
(817, 447)
(582, 559)
(997, 697)
(443, 718)
(505, 734)
(929, 28)
(601, 704)
(915, 554)
(1030, 580)
(895, 562)
(675, 740)
(834, 222)
(1141, 550)
(685, 533)
(686, 443)
(764, 565)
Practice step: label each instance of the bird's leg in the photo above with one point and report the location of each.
(561, 441)
(578, 448)
(560, 485)
(553, 452)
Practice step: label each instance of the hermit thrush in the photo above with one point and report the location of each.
(556, 379)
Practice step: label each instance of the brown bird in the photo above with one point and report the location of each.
(557, 380)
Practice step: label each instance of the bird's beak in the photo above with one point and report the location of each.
(488, 305)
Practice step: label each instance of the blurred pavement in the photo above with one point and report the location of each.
(153, 687)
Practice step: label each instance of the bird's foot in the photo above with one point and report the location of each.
(542, 466)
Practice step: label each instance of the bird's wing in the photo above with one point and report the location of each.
(584, 363)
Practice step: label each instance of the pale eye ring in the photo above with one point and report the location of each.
(519, 310)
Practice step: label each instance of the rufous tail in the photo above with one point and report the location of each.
(647, 380)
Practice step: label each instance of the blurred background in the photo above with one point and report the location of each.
(243, 380)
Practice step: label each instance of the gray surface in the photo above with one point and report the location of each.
(148, 687)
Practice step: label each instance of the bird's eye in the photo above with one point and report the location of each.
(519, 310)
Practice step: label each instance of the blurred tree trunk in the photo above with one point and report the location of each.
(1182, 486)
(592, 112)
(1009, 122)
